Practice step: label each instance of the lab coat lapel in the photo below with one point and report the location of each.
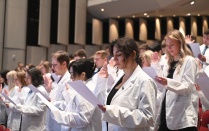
(64, 78)
(63, 81)
(29, 97)
(118, 78)
(129, 83)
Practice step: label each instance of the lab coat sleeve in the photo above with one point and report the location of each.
(158, 68)
(61, 104)
(1, 100)
(76, 119)
(207, 59)
(143, 116)
(186, 85)
(52, 94)
(32, 110)
(101, 89)
(203, 99)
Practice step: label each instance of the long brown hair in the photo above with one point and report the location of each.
(184, 50)
(21, 78)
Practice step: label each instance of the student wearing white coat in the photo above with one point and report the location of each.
(14, 117)
(203, 99)
(79, 115)
(3, 85)
(33, 110)
(131, 102)
(60, 61)
(179, 107)
(204, 48)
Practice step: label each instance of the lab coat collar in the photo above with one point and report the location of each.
(29, 96)
(65, 77)
(129, 83)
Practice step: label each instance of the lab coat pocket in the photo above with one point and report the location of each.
(128, 102)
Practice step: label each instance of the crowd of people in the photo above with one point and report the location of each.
(131, 100)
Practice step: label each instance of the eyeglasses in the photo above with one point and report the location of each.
(206, 37)
(54, 65)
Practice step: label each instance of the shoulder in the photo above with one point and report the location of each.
(42, 88)
(189, 59)
(16, 87)
(203, 45)
(142, 76)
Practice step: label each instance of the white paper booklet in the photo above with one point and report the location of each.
(84, 91)
(152, 73)
(203, 83)
(195, 49)
(9, 99)
(45, 101)
(33, 88)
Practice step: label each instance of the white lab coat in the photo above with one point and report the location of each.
(133, 106)
(33, 112)
(79, 115)
(14, 116)
(3, 114)
(204, 101)
(202, 47)
(181, 98)
(12, 95)
(59, 99)
(159, 70)
(112, 75)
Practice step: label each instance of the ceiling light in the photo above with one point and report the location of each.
(174, 15)
(118, 16)
(133, 16)
(102, 9)
(198, 14)
(145, 14)
(188, 14)
(192, 2)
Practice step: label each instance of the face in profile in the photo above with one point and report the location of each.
(118, 58)
(1, 80)
(99, 61)
(206, 39)
(28, 78)
(57, 66)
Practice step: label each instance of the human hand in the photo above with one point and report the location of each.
(202, 57)
(112, 62)
(47, 83)
(20, 87)
(0, 87)
(197, 87)
(103, 108)
(67, 86)
(155, 58)
(103, 72)
(161, 80)
(188, 39)
(7, 105)
(6, 92)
